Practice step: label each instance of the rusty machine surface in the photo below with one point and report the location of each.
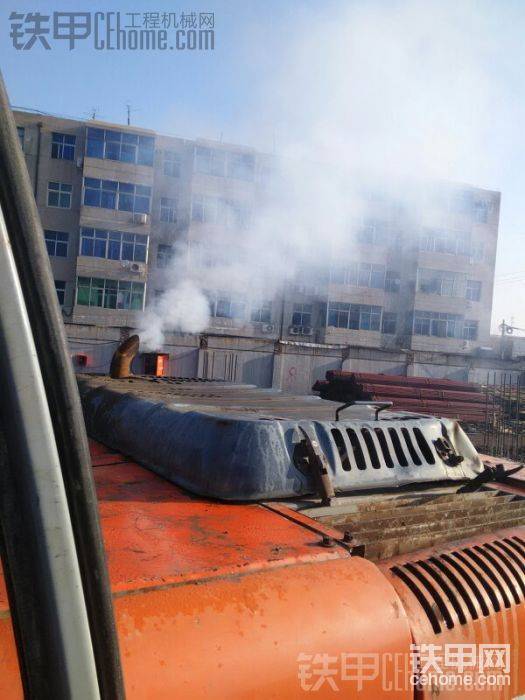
(371, 538)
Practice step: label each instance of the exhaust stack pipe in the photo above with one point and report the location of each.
(120, 367)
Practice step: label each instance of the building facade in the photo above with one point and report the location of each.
(118, 202)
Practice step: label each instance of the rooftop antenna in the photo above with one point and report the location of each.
(92, 113)
(129, 110)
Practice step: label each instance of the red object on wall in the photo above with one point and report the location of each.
(80, 360)
(156, 363)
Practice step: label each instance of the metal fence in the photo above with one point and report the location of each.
(503, 432)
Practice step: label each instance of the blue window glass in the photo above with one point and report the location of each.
(95, 143)
(146, 150)
(125, 202)
(114, 245)
(63, 146)
(108, 200)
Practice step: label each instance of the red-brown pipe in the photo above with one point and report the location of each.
(124, 355)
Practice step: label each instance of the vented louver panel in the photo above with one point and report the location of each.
(465, 583)
(381, 447)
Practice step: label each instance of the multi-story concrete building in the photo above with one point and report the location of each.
(117, 201)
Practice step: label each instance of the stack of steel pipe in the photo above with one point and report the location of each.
(442, 397)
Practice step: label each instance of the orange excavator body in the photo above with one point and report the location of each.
(216, 600)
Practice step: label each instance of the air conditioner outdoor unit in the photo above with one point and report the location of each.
(268, 328)
(306, 330)
(295, 330)
(131, 266)
(80, 162)
(140, 219)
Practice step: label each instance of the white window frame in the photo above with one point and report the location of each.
(60, 192)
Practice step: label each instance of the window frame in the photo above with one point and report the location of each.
(359, 317)
(53, 243)
(120, 142)
(117, 192)
(61, 291)
(59, 146)
(21, 131)
(439, 324)
(168, 210)
(262, 312)
(236, 306)
(216, 161)
(473, 290)
(123, 293)
(108, 241)
(389, 322)
(165, 253)
(443, 283)
(302, 314)
(470, 329)
(171, 163)
(59, 192)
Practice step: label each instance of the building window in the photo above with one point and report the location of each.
(372, 276)
(56, 243)
(164, 255)
(59, 195)
(21, 135)
(241, 166)
(205, 209)
(359, 275)
(172, 164)
(373, 232)
(441, 325)
(60, 287)
(262, 313)
(481, 211)
(124, 196)
(113, 245)
(392, 281)
(63, 146)
(235, 214)
(168, 210)
(461, 202)
(438, 282)
(389, 322)
(452, 243)
(110, 294)
(354, 316)
(470, 330)
(476, 252)
(120, 145)
(227, 306)
(473, 290)
(210, 161)
(206, 255)
(302, 315)
(213, 210)
(213, 161)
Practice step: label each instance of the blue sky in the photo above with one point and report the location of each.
(240, 90)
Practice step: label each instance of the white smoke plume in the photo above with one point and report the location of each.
(397, 94)
(182, 307)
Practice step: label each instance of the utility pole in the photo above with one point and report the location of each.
(507, 329)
